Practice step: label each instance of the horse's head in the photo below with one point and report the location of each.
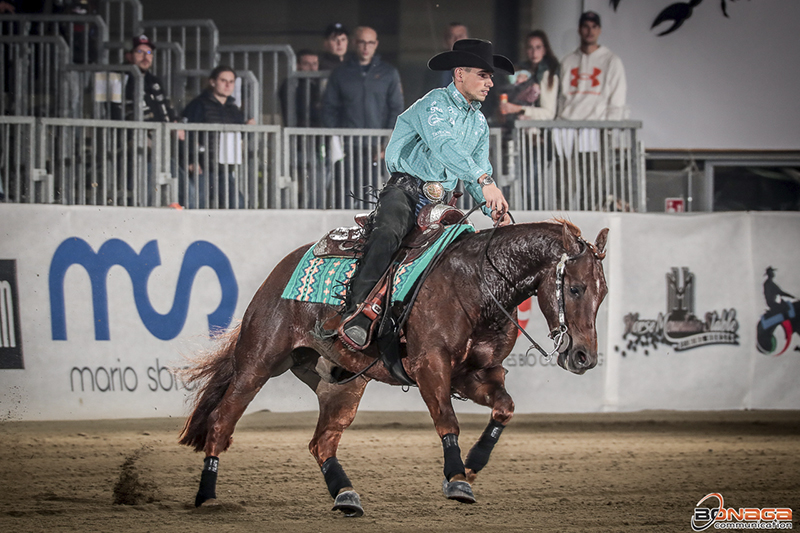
(578, 281)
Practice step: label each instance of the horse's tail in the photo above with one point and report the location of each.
(212, 375)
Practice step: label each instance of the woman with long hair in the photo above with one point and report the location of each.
(536, 97)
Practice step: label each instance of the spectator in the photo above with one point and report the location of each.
(363, 92)
(308, 93)
(592, 78)
(155, 105)
(219, 154)
(453, 32)
(534, 93)
(334, 45)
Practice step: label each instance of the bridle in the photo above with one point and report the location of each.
(556, 335)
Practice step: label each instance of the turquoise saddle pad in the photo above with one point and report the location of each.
(324, 279)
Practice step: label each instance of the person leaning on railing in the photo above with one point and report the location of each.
(156, 106)
(215, 105)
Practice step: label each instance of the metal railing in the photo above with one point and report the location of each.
(334, 168)
(16, 161)
(199, 40)
(101, 162)
(300, 95)
(100, 92)
(225, 166)
(122, 17)
(578, 166)
(32, 69)
(85, 35)
(271, 64)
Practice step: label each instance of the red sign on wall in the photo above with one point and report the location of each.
(674, 205)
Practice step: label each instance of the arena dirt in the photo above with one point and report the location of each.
(604, 472)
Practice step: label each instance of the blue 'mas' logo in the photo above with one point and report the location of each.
(139, 266)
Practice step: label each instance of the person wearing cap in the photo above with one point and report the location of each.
(334, 45)
(156, 106)
(593, 83)
(441, 139)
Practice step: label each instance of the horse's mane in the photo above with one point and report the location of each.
(577, 232)
(575, 229)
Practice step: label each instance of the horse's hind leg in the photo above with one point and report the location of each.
(251, 372)
(486, 387)
(338, 405)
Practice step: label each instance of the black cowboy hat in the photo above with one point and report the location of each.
(475, 53)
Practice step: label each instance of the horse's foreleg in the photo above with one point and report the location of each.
(487, 388)
(433, 379)
(338, 405)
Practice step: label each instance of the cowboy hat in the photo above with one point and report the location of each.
(475, 53)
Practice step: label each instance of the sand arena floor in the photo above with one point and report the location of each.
(601, 472)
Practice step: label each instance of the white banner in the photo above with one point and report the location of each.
(97, 304)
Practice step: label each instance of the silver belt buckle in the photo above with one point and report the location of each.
(433, 191)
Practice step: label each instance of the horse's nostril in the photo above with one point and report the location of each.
(581, 360)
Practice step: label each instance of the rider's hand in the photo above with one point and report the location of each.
(495, 201)
(505, 218)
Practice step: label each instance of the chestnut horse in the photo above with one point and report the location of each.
(455, 340)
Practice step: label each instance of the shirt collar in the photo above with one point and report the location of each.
(459, 99)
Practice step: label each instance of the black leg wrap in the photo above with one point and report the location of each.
(453, 465)
(478, 456)
(335, 477)
(208, 481)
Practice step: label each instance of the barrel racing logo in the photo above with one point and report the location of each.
(782, 312)
(679, 327)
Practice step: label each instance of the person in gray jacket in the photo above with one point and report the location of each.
(363, 92)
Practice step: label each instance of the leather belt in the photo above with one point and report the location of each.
(434, 191)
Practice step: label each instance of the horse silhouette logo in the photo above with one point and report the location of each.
(782, 311)
(139, 266)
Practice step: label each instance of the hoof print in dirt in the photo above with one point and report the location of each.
(215, 506)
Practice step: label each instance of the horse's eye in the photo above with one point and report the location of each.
(575, 291)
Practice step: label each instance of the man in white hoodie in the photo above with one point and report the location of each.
(593, 83)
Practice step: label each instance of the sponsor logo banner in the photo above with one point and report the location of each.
(10, 329)
(721, 517)
(679, 327)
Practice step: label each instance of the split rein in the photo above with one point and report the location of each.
(557, 335)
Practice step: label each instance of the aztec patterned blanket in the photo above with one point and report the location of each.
(324, 279)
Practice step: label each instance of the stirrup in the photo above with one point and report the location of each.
(355, 330)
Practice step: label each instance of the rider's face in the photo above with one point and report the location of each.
(474, 83)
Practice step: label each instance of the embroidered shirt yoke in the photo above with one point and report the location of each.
(442, 137)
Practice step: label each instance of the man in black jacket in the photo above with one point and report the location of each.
(216, 105)
(363, 92)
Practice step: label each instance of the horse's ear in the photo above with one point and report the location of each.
(571, 244)
(600, 243)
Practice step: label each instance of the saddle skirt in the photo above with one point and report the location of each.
(326, 268)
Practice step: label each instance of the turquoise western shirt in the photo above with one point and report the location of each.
(442, 137)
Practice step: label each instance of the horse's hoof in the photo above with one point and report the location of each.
(349, 503)
(458, 490)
